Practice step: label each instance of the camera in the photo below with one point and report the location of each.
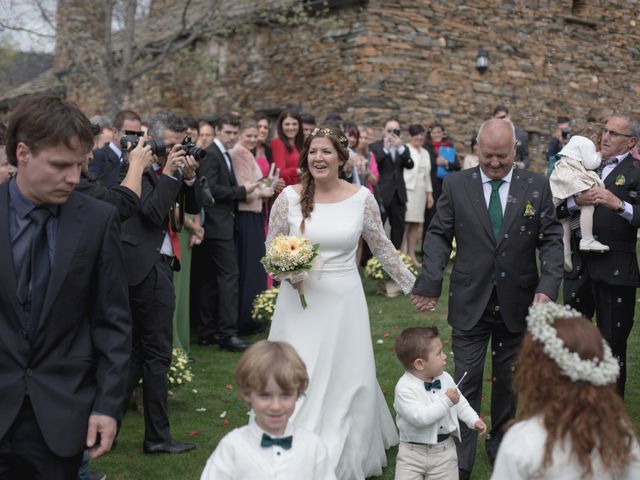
(566, 133)
(129, 142)
(190, 149)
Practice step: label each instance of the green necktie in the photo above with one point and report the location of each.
(495, 207)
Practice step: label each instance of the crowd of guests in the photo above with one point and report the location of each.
(193, 198)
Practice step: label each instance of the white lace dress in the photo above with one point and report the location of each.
(344, 403)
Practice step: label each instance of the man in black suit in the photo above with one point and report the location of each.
(151, 249)
(107, 160)
(64, 317)
(218, 289)
(606, 283)
(392, 158)
(499, 217)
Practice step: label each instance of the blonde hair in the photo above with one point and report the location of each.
(264, 359)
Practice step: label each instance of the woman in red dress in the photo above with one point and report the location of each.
(286, 147)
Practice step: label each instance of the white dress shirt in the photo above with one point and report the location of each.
(422, 416)
(239, 456)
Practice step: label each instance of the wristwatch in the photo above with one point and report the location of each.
(621, 208)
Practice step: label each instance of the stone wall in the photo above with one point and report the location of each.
(414, 59)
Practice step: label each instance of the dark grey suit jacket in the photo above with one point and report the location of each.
(529, 224)
(78, 360)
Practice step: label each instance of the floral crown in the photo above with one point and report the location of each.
(540, 325)
(330, 132)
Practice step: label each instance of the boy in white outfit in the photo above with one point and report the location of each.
(270, 377)
(428, 405)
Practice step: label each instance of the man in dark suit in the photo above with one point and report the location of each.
(107, 160)
(151, 248)
(606, 283)
(218, 289)
(499, 217)
(64, 317)
(392, 157)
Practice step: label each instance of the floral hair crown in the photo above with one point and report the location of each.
(330, 132)
(540, 325)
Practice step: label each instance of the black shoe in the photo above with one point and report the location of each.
(233, 344)
(97, 475)
(207, 341)
(168, 446)
(464, 474)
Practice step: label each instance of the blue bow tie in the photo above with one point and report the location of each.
(435, 384)
(284, 442)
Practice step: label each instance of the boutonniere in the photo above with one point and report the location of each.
(529, 211)
(620, 180)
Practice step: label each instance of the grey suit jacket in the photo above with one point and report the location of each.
(481, 262)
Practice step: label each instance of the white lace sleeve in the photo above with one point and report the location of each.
(382, 248)
(278, 219)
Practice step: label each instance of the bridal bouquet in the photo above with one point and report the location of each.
(289, 258)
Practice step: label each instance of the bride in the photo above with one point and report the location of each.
(344, 403)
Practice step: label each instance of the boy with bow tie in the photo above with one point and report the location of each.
(270, 378)
(428, 405)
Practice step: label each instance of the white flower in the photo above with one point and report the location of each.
(540, 324)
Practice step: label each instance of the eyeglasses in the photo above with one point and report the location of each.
(614, 134)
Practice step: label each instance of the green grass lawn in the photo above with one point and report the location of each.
(213, 390)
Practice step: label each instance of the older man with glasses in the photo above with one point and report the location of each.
(605, 283)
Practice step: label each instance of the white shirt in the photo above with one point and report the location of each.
(421, 414)
(239, 456)
(522, 451)
(116, 150)
(503, 191)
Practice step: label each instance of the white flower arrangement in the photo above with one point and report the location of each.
(540, 324)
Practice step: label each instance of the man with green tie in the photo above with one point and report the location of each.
(500, 217)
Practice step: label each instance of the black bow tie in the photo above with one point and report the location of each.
(284, 442)
(435, 384)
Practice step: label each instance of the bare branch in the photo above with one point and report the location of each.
(45, 14)
(17, 28)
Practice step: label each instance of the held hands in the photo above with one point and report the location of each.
(392, 141)
(100, 434)
(424, 304)
(480, 426)
(250, 187)
(453, 394)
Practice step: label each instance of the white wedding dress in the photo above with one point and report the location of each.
(343, 403)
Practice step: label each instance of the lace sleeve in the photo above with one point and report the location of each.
(382, 248)
(278, 223)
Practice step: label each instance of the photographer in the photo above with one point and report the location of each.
(561, 135)
(151, 249)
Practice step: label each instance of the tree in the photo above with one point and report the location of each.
(113, 44)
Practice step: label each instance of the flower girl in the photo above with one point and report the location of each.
(572, 423)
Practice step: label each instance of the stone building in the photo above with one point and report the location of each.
(415, 59)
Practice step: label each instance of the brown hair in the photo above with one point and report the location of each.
(414, 343)
(299, 140)
(593, 131)
(264, 359)
(306, 179)
(573, 410)
(118, 120)
(42, 121)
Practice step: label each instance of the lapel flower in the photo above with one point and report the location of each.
(620, 180)
(529, 211)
